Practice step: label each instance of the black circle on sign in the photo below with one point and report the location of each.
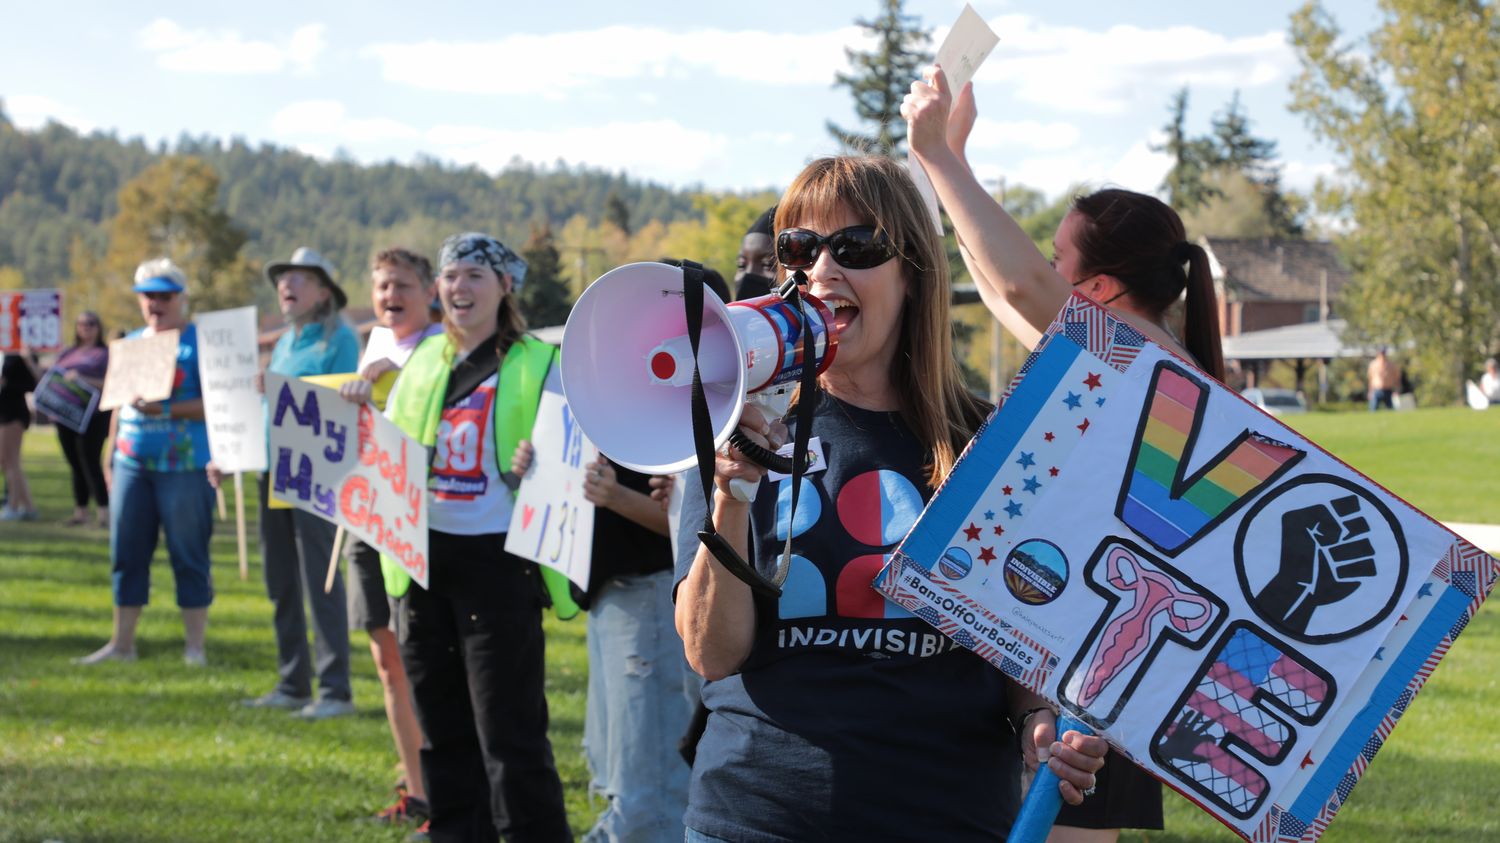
(1366, 499)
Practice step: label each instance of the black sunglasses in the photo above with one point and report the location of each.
(855, 247)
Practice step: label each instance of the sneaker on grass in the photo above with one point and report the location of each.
(422, 834)
(324, 709)
(277, 699)
(406, 808)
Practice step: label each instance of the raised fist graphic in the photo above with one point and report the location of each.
(1325, 553)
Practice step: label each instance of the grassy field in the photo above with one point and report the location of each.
(157, 751)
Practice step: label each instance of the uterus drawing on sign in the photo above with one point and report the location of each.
(1148, 604)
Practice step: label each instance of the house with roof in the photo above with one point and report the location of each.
(1263, 282)
(1270, 290)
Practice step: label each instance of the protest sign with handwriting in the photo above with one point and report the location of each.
(227, 365)
(350, 465)
(553, 524)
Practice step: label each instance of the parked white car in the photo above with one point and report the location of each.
(1277, 402)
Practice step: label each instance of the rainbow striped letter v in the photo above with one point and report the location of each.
(1168, 509)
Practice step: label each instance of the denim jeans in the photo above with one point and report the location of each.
(146, 504)
(641, 694)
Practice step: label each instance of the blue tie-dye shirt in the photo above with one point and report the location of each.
(158, 444)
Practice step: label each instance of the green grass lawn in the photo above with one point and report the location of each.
(157, 751)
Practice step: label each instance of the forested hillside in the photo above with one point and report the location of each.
(59, 191)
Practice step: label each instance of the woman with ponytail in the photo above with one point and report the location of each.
(1127, 251)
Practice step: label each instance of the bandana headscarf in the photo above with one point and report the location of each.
(473, 247)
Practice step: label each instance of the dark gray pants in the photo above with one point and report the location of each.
(294, 549)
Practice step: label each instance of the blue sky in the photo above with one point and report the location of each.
(687, 93)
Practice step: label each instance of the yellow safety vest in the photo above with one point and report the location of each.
(416, 407)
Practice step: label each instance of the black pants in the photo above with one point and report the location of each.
(474, 650)
(82, 452)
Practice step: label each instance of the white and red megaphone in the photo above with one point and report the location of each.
(627, 364)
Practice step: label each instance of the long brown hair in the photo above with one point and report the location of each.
(933, 400)
(1140, 240)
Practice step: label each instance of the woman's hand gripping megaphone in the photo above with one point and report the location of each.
(738, 473)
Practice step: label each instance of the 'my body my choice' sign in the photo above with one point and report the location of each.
(350, 465)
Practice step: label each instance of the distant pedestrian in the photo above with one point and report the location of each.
(86, 361)
(1384, 378)
(1489, 382)
(17, 377)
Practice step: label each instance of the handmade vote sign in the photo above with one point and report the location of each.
(31, 319)
(552, 523)
(350, 465)
(1231, 606)
(228, 362)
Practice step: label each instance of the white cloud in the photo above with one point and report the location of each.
(548, 64)
(227, 52)
(1031, 134)
(1137, 168)
(1303, 175)
(659, 149)
(33, 112)
(1125, 68)
(330, 119)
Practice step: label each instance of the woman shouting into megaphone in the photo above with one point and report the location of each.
(834, 714)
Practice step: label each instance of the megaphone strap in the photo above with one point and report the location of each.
(692, 298)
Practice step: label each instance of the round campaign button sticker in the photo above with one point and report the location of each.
(1036, 572)
(955, 564)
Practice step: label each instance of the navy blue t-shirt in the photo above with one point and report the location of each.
(852, 719)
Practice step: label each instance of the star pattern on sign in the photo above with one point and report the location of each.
(989, 515)
(1005, 490)
(1092, 381)
(1013, 509)
(1032, 485)
(1083, 428)
(1099, 402)
(972, 532)
(1052, 471)
(1425, 590)
(1026, 460)
(1048, 436)
(1074, 400)
(999, 530)
(986, 555)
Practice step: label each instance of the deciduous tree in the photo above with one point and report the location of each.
(1412, 109)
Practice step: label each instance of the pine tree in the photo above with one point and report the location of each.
(1187, 184)
(881, 79)
(1254, 158)
(545, 298)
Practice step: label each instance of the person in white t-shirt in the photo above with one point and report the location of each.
(1489, 382)
(403, 295)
